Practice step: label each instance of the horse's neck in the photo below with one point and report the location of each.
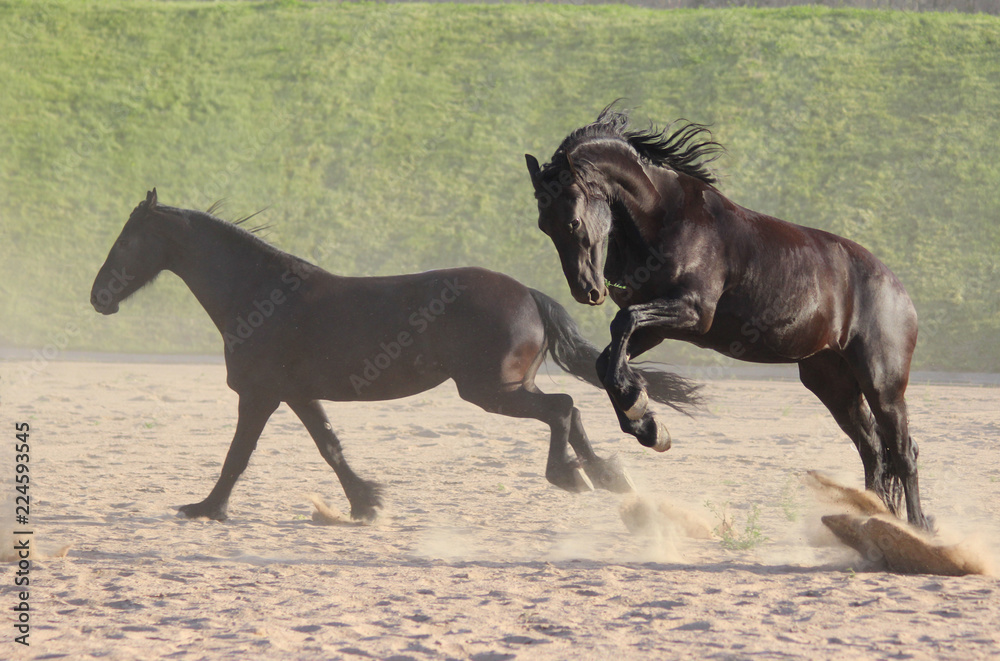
(225, 271)
(632, 213)
(672, 192)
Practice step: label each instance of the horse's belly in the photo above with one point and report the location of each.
(381, 373)
(378, 376)
(738, 347)
(749, 341)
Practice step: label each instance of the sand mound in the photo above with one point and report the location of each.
(8, 540)
(12, 556)
(892, 545)
(885, 542)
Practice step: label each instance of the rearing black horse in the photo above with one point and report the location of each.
(295, 333)
(683, 262)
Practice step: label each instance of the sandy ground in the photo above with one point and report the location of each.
(475, 555)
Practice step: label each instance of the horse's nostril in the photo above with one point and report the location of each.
(595, 296)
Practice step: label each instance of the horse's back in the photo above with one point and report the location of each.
(492, 318)
(461, 298)
(797, 290)
(874, 299)
(470, 324)
(351, 338)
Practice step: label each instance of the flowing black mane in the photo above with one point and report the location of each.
(233, 227)
(682, 146)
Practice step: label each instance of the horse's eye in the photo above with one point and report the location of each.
(574, 224)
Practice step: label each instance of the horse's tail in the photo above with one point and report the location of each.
(573, 353)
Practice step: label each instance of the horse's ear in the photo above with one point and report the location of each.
(151, 199)
(533, 168)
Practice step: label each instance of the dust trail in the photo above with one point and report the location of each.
(854, 501)
(326, 515)
(664, 523)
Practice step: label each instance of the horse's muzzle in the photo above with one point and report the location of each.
(104, 308)
(591, 296)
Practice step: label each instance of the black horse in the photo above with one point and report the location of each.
(634, 213)
(295, 333)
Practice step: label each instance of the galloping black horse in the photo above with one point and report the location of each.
(683, 262)
(295, 333)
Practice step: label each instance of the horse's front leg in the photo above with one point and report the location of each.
(254, 413)
(625, 387)
(645, 429)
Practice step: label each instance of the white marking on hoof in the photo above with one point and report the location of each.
(583, 482)
(628, 481)
(662, 438)
(639, 408)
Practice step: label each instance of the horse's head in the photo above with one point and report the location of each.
(137, 257)
(577, 218)
(604, 173)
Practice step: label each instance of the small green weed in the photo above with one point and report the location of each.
(732, 539)
(789, 505)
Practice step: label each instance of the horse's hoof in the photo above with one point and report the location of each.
(662, 443)
(639, 408)
(201, 511)
(610, 475)
(926, 522)
(572, 480)
(367, 514)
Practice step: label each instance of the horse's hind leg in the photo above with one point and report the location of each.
(829, 377)
(608, 474)
(889, 407)
(882, 367)
(363, 495)
(556, 410)
(254, 414)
